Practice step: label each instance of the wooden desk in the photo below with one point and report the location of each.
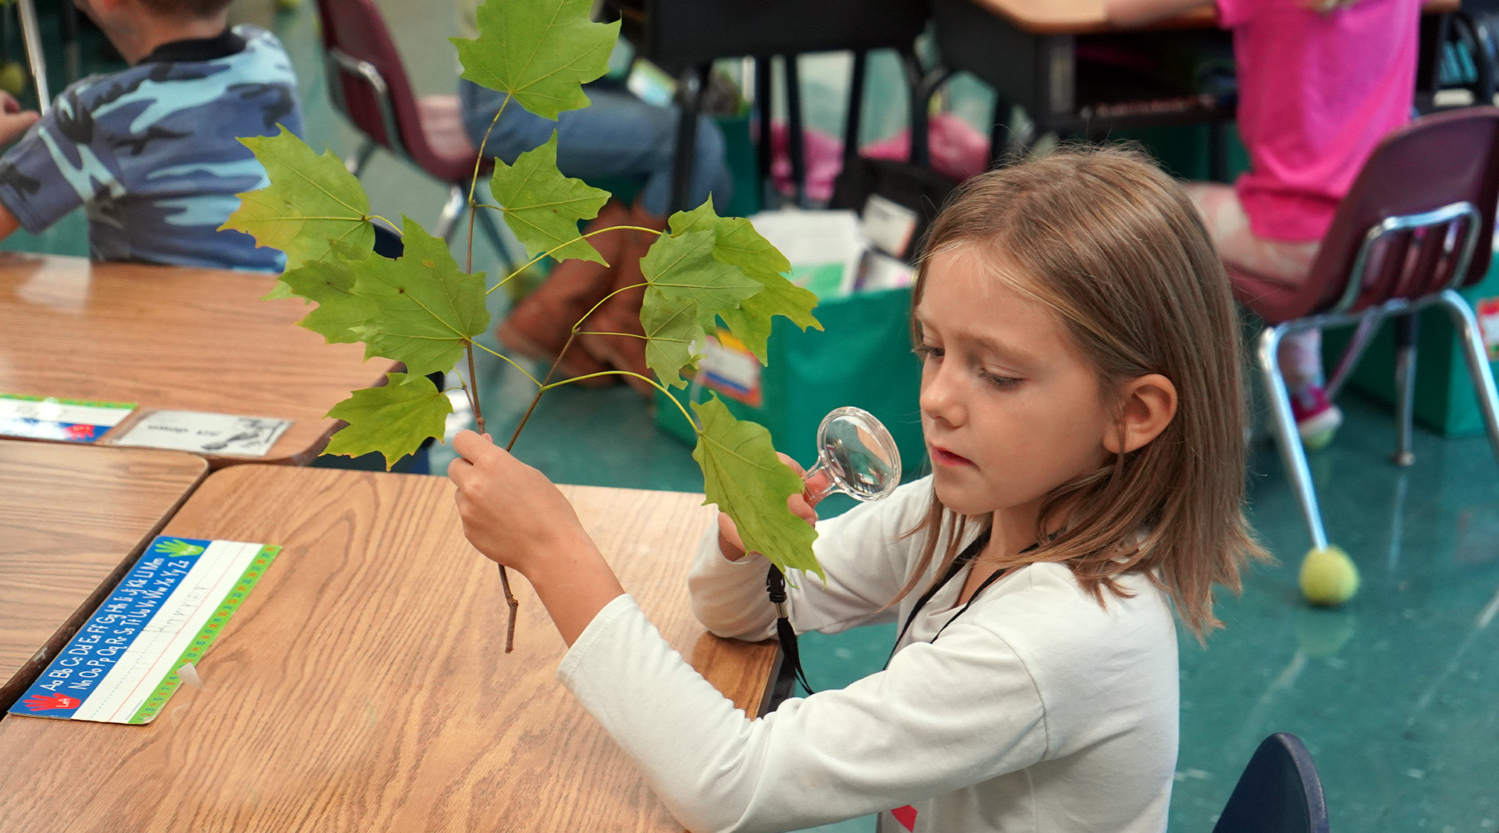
(363, 684)
(72, 521)
(173, 338)
(684, 37)
(1027, 51)
(1076, 17)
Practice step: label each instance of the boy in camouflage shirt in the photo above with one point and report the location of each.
(151, 152)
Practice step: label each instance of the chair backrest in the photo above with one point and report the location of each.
(1279, 791)
(366, 79)
(1429, 192)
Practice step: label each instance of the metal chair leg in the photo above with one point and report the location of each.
(692, 86)
(1292, 455)
(1405, 387)
(1478, 361)
(31, 37)
(356, 162)
(447, 221)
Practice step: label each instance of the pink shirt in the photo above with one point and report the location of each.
(1316, 93)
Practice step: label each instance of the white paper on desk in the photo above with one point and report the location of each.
(206, 433)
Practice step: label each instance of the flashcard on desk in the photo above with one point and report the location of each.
(123, 664)
(205, 433)
(69, 420)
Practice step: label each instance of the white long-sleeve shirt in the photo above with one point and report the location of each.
(1036, 710)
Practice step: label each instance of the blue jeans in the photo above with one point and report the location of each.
(618, 136)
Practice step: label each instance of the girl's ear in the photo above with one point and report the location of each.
(1147, 405)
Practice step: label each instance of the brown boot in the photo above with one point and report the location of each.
(613, 335)
(539, 325)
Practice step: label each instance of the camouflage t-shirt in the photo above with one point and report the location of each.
(151, 152)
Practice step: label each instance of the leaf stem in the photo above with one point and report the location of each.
(479, 156)
(602, 300)
(473, 182)
(648, 380)
(510, 361)
(549, 252)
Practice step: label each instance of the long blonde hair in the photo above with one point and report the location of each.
(1115, 248)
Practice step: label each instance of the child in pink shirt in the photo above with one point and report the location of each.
(1319, 85)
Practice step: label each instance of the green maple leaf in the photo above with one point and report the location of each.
(423, 310)
(737, 244)
(543, 207)
(674, 339)
(311, 201)
(393, 419)
(541, 52)
(743, 475)
(341, 315)
(687, 288)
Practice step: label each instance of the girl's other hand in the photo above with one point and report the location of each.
(511, 512)
(802, 505)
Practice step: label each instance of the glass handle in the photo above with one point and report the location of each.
(829, 486)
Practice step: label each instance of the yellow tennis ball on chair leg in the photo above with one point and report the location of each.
(1328, 576)
(12, 77)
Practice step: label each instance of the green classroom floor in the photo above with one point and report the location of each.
(1396, 696)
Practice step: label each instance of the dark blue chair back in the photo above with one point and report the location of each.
(1279, 792)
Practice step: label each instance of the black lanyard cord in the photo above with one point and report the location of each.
(775, 587)
(967, 555)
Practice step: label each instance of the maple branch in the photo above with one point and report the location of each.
(540, 388)
(514, 606)
(473, 388)
(549, 252)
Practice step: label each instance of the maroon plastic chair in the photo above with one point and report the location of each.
(1417, 225)
(368, 84)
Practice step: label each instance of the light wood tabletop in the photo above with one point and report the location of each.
(363, 684)
(72, 520)
(173, 338)
(1077, 17)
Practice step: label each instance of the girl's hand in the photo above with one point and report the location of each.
(511, 512)
(802, 505)
(517, 518)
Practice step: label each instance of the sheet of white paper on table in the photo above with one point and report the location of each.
(207, 433)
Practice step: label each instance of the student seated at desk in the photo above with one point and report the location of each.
(1320, 83)
(1081, 401)
(152, 151)
(618, 136)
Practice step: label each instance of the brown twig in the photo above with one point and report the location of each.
(504, 579)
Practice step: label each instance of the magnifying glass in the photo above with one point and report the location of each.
(856, 454)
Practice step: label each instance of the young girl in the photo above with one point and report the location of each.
(1320, 83)
(1081, 404)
